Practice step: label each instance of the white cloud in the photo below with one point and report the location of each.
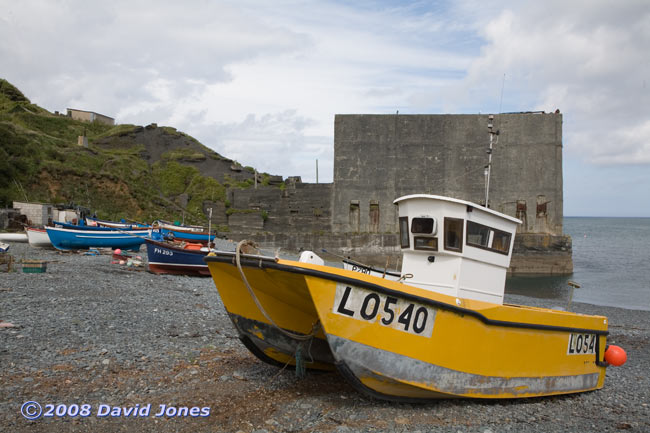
(588, 59)
(120, 49)
(275, 140)
(203, 68)
(624, 146)
(261, 82)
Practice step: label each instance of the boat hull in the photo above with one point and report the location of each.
(70, 239)
(398, 342)
(38, 237)
(285, 300)
(167, 259)
(13, 237)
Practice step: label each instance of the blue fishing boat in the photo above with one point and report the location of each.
(85, 238)
(165, 258)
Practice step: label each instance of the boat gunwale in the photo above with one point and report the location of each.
(263, 262)
(132, 233)
(174, 247)
(35, 229)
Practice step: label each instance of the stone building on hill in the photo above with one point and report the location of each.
(90, 116)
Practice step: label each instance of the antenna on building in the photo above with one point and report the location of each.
(503, 84)
(316, 170)
(488, 167)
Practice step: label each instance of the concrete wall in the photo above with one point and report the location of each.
(37, 214)
(539, 253)
(381, 157)
(298, 208)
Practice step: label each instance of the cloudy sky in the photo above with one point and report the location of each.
(260, 82)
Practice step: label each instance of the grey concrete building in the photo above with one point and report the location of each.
(381, 157)
(378, 158)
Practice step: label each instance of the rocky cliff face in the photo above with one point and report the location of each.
(164, 144)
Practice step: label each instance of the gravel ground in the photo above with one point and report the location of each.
(88, 332)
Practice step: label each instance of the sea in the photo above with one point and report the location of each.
(611, 265)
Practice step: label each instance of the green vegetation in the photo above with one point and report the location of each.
(115, 131)
(205, 189)
(10, 93)
(230, 182)
(184, 155)
(175, 132)
(116, 176)
(173, 178)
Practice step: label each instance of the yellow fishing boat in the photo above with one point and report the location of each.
(441, 330)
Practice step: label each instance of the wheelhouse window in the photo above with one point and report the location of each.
(425, 226)
(454, 234)
(501, 242)
(404, 232)
(488, 238)
(478, 235)
(425, 243)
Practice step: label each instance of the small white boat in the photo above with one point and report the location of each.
(13, 237)
(178, 228)
(95, 222)
(38, 237)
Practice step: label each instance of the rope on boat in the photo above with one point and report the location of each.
(404, 277)
(304, 340)
(301, 370)
(292, 335)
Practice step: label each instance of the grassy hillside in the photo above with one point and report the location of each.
(127, 171)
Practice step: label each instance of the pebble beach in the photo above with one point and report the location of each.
(109, 339)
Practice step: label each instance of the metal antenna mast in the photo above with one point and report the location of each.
(488, 167)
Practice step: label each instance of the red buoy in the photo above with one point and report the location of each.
(615, 355)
